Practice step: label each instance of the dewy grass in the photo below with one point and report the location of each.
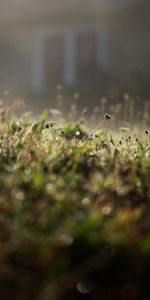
(106, 117)
(74, 211)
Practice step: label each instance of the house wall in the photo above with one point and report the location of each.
(130, 49)
(16, 56)
(127, 44)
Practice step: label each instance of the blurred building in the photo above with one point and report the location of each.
(74, 42)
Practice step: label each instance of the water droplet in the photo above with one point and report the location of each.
(84, 287)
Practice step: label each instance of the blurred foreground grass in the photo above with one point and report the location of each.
(74, 210)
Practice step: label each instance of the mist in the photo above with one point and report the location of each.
(96, 48)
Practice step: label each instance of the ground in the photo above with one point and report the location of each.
(74, 209)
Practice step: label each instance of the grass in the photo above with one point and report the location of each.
(74, 210)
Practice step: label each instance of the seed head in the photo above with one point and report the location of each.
(19, 128)
(50, 124)
(84, 111)
(124, 129)
(146, 131)
(59, 87)
(107, 117)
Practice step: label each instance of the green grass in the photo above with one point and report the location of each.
(74, 211)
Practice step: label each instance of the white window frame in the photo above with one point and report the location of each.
(69, 34)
